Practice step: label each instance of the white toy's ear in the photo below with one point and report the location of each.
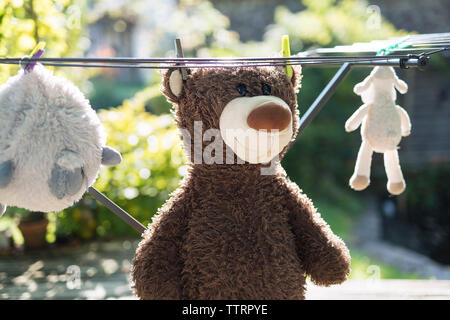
(363, 86)
(400, 85)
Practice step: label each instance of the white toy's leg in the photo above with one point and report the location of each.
(396, 184)
(67, 175)
(360, 178)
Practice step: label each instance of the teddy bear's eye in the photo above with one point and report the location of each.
(265, 89)
(242, 89)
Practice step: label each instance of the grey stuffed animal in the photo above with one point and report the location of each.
(52, 143)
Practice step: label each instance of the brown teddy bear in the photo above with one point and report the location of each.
(230, 231)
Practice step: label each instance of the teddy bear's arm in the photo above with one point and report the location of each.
(157, 265)
(405, 122)
(357, 117)
(324, 255)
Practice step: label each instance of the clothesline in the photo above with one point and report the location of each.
(172, 63)
(414, 49)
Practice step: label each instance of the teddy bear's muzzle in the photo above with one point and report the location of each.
(256, 128)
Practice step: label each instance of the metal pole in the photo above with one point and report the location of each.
(179, 52)
(118, 211)
(323, 97)
(403, 63)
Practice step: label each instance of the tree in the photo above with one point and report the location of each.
(60, 23)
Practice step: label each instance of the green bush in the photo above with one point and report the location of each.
(60, 23)
(108, 92)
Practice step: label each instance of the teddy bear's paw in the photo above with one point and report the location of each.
(2, 209)
(396, 188)
(358, 182)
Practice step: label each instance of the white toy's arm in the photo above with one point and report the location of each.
(405, 122)
(363, 86)
(357, 117)
(400, 85)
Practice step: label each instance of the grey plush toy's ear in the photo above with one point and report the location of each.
(111, 157)
(2, 209)
(6, 172)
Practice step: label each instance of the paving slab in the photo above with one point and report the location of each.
(101, 270)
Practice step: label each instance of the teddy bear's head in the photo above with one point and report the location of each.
(248, 112)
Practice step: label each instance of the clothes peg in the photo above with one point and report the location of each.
(286, 51)
(37, 52)
(179, 52)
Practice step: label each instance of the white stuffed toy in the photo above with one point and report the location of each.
(383, 125)
(51, 142)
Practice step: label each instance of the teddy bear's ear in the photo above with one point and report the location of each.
(172, 84)
(296, 78)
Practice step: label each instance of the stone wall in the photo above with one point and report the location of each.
(412, 15)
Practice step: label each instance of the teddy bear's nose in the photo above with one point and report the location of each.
(270, 116)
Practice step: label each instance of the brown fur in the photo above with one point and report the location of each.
(229, 232)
